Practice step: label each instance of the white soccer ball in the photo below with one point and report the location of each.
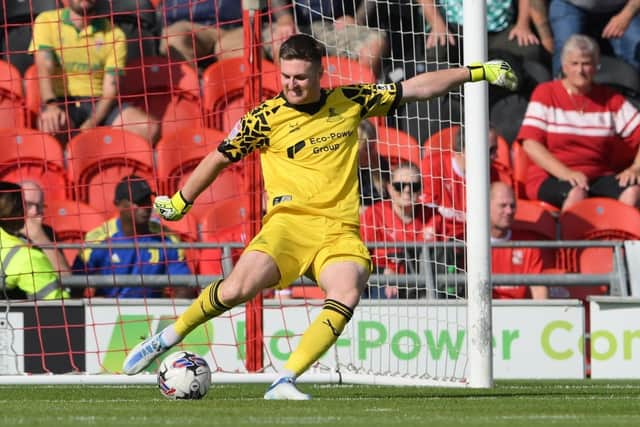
(184, 375)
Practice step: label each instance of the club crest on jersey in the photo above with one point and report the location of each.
(334, 116)
(517, 257)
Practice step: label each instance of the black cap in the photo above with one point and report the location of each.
(133, 188)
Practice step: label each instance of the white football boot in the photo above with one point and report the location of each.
(143, 354)
(285, 389)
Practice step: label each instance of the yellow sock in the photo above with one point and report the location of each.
(321, 334)
(207, 306)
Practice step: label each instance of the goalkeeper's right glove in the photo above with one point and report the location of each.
(172, 209)
(497, 72)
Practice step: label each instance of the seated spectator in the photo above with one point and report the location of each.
(616, 21)
(502, 209)
(506, 30)
(26, 270)
(373, 167)
(206, 30)
(398, 220)
(443, 183)
(571, 129)
(79, 58)
(338, 26)
(35, 231)
(133, 225)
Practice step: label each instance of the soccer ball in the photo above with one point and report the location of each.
(184, 375)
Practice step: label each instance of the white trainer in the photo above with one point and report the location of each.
(143, 354)
(285, 389)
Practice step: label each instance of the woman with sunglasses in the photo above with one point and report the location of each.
(399, 222)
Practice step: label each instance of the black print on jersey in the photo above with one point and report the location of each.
(291, 151)
(254, 127)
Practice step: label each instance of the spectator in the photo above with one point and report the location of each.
(512, 260)
(336, 24)
(616, 21)
(400, 219)
(571, 130)
(79, 58)
(206, 30)
(35, 231)
(444, 182)
(26, 270)
(373, 167)
(133, 225)
(506, 30)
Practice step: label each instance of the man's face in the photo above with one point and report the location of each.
(138, 212)
(300, 81)
(405, 187)
(82, 7)
(32, 198)
(502, 209)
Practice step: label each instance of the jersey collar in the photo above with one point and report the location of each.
(95, 24)
(311, 108)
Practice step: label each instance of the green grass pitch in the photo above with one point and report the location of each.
(509, 403)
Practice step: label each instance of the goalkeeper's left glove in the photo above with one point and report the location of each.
(496, 72)
(172, 209)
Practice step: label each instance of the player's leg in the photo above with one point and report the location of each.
(342, 266)
(343, 283)
(254, 272)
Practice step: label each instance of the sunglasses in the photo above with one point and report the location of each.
(400, 186)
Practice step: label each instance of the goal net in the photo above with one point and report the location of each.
(424, 317)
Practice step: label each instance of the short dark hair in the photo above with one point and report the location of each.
(11, 207)
(302, 46)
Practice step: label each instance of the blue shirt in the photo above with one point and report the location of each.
(134, 260)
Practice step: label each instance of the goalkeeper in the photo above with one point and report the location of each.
(307, 137)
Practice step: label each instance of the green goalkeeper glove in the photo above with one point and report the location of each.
(496, 72)
(172, 209)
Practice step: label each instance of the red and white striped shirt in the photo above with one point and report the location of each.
(582, 131)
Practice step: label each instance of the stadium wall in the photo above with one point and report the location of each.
(532, 339)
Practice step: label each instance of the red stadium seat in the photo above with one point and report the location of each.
(443, 139)
(178, 154)
(227, 221)
(99, 158)
(71, 220)
(223, 90)
(340, 71)
(32, 95)
(28, 154)
(167, 90)
(596, 219)
(12, 102)
(397, 145)
(520, 165)
(534, 219)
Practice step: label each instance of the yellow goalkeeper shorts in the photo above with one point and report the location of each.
(304, 244)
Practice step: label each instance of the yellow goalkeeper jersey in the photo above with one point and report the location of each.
(309, 153)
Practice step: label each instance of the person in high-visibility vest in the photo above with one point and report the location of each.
(25, 269)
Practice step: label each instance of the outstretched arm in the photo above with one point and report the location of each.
(436, 83)
(205, 173)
